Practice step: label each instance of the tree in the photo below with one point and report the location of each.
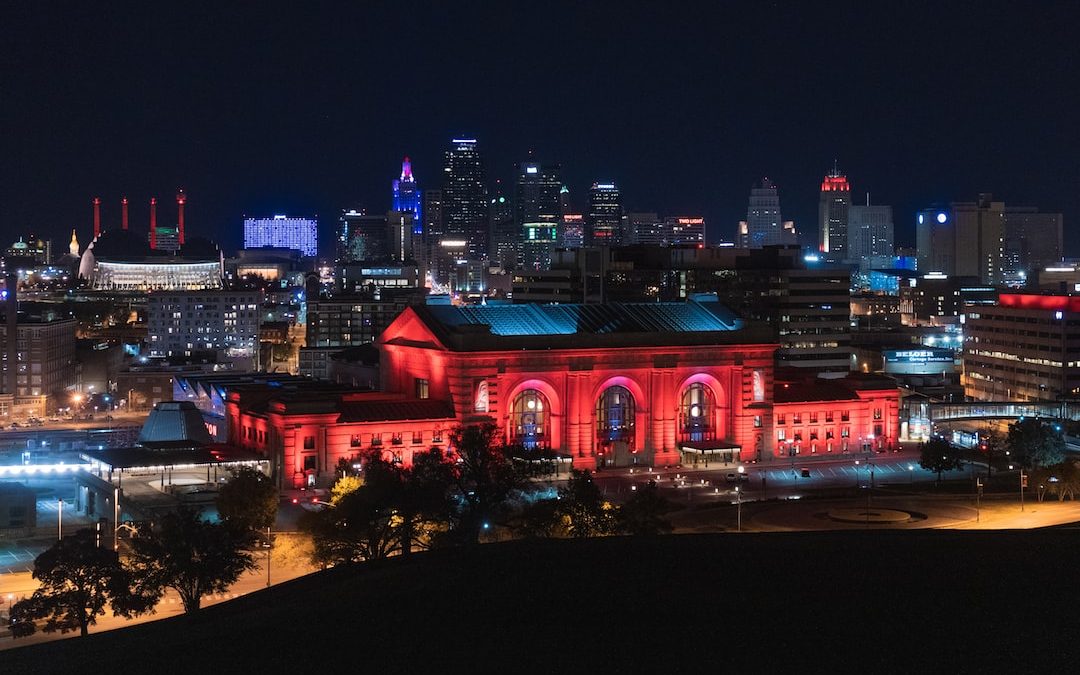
(540, 519)
(249, 500)
(393, 509)
(292, 550)
(643, 513)
(483, 479)
(189, 555)
(421, 501)
(346, 467)
(992, 445)
(78, 579)
(1062, 479)
(359, 526)
(343, 486)
(584, 510)
(1035, 443)
(939, 455)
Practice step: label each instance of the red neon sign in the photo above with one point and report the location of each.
(1063, 303)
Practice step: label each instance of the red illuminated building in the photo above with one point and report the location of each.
(820, 417)
(601, 385)
(1024, 349)
(833, 214)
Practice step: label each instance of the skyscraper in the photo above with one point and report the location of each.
(833, 215)
(646, 229)
(505, 236)
(870, 232)
(465, 215)
(298, 234)
(363, 238)
(1033, 241)
(433, 215)
(406, 195)
(763, 225)
(537, 212)
(572, 229)
(970, 239)
(605, 215)
(870, 240)
(685, 230)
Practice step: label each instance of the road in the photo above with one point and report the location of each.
(776, 480)
(18, 585)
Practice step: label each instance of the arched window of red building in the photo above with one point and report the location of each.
(528, 416)
(615, 415)
(697, 413)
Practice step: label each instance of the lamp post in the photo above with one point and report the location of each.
(59, 519)
(911, 473)
(116, 519)
(978, 498)
(738, 508)
(268, 556)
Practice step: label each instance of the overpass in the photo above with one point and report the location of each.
(986, 410)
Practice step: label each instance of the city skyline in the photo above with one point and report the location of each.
(276, 139)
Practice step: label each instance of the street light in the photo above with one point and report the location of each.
(738, 501)
(60, 519)
(116, 519)
(911, 473)
(268, 556)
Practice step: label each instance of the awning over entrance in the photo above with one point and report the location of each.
(706, 451)
(164, 456)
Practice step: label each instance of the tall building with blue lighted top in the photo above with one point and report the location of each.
(407, 196)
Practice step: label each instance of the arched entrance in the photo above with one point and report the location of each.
(697, 413)
(528, 419)
(615, 426)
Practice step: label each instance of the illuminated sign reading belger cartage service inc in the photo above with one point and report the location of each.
(918, 361)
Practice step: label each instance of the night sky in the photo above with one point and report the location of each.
(308, 107)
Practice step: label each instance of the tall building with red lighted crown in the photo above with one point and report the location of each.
(833, 215)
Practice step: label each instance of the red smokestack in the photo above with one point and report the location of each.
(123, 213)
(180, 199)
(97, 217)
(153, 222)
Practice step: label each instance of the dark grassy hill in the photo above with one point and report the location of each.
(815, 602)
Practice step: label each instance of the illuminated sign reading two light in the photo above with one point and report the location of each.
(691, 221)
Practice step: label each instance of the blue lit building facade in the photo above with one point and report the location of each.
(299, 234)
